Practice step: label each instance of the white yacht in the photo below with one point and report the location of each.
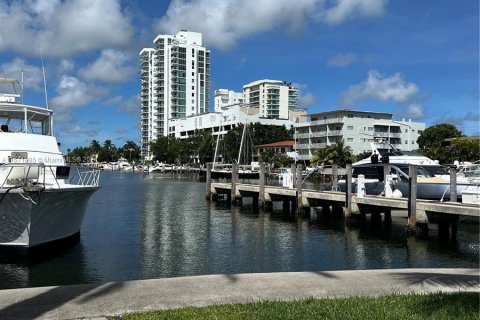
(40, 199)
(433, 180)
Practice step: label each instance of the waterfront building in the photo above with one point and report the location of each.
(175, 82)
(227, 118)
(148, 110)
(358, 129)
(225, 98)
(273, 97)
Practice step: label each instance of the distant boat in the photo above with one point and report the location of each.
(39, 202)
(160, 167)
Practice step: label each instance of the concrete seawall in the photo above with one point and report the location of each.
(116, 298)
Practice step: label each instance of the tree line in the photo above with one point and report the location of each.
(443, 142)
(108, 152)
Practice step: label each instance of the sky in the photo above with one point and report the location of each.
(418, 60)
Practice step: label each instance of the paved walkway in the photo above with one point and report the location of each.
(115, 298)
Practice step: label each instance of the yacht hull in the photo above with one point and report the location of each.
(56, 214)
(426, 191)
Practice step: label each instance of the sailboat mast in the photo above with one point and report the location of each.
(216, 147)
(241, 143)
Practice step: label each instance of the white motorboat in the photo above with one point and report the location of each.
(160, 167)
(124, 165)
(433, 180)
(40, 199)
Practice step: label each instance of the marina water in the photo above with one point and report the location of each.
(141, 226)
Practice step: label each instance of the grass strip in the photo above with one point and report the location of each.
(411, 306)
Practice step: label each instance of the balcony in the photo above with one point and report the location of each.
(335, 133)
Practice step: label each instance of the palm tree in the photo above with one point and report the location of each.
(109, 147)
(95, 148)
(319, 156)
(338, 154)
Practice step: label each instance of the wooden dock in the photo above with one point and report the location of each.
(299, 201)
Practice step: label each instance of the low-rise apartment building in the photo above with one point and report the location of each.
(358, 129)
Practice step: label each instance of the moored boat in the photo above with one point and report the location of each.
(40, 201)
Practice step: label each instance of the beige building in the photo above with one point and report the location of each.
(273, 97)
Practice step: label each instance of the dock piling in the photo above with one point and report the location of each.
(209, 181)
(453, 183)
(412, 199)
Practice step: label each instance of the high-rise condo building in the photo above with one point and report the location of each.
(175, 83)
(274, 98)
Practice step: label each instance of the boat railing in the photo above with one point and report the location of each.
(35, 176)
(86, 178)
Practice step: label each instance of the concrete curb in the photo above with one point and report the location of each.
(116, 298)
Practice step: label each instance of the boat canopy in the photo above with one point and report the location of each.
(21, 118)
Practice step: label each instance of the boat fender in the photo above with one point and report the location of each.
(374, 158)
(397, 193)
(385, 159)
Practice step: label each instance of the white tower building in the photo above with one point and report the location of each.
(225, 98)
(274, 98)
(180, 82)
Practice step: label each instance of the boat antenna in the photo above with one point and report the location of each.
(44, 81)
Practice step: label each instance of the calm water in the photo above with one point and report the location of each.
(139, 227)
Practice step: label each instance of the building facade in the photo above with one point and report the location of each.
(274, 98)
(358, 129)
(228, 118)
(224, 98)
(148, 110)
(177, 70)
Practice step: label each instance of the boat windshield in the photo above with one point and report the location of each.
(25, 119)
(426, 171)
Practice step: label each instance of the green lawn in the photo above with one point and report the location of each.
(413, 306)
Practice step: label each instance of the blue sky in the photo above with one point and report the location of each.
(415, 59)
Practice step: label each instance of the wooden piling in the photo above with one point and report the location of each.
(334, 177)
(234, 182)
(412, 199)
(209, 181)
(298, 187)
(348, 193)
(386, 171)
(261, 185)
(453, 184)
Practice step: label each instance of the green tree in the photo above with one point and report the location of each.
(435, 135)
(337, 153)
(130, 151)
(464, 149)
(166, 149)
(431, 141)
(255, 135)
(109, 152)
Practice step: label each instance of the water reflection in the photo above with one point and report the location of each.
(44, 266)
(151, 226)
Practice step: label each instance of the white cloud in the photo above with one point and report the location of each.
(381, 88)
(305, 98)
(415, 111)
(350, 8)
(73, 93)
(342, 60)
(110, 67)
(80, 130)
(223, 22)
(132, 105)
(63, 28)
(32, 75)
